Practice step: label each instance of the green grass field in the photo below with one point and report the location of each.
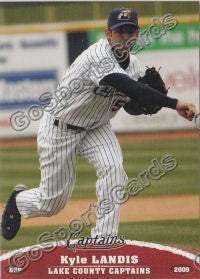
(21, 165)
(179, 232)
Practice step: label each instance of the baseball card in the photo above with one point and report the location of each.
(99, 143)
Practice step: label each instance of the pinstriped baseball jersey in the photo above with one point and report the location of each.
(82, 102)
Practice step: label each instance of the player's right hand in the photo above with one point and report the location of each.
(186, 110)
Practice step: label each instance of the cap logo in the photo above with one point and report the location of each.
(126, 14)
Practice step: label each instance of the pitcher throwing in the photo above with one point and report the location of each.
(98, 83)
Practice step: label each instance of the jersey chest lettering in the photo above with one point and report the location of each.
(118, 104)
(106, 91)
(119, 100)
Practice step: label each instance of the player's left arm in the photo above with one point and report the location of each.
(145, 95)
(135, 90)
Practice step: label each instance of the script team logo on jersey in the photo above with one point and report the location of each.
(126, 14)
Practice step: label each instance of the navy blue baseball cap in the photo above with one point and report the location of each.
(122, 16)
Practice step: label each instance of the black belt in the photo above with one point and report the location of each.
(69, 126)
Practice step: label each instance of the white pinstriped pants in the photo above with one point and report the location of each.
(58, 150)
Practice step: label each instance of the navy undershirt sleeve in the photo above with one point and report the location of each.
(141, 93)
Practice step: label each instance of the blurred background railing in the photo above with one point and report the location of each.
(21, 13)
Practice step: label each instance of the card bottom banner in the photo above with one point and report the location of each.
(132, 259)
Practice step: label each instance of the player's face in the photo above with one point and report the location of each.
(122, 37)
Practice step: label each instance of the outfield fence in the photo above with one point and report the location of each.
(34, 58)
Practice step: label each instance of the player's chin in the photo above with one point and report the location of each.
(124, 49)
(190, 118)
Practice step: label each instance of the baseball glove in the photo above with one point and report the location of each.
(151, 78)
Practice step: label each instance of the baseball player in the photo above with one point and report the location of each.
(98, 83)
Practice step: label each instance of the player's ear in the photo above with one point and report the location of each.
(136, 33)
(108, 33)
